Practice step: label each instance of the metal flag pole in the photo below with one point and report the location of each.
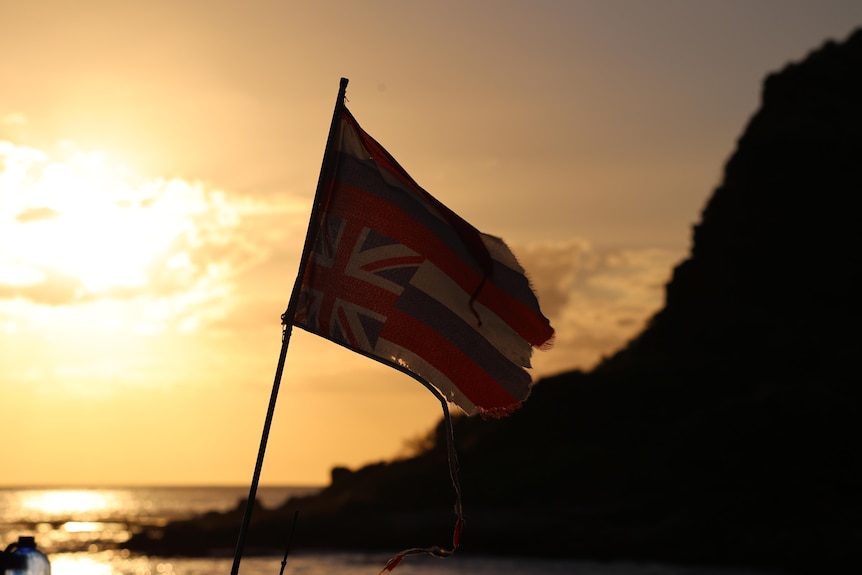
(323, 184)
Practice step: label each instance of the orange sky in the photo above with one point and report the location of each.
(158, 159)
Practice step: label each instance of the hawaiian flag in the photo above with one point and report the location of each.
(397, 276)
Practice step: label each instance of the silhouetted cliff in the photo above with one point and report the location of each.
(727, 432)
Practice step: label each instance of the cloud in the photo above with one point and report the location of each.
(552, 269)
(159, 253)
(596, 299)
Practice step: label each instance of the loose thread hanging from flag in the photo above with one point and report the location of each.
(438, 551)
(390, 272)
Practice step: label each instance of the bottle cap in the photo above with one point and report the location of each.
(26, 541)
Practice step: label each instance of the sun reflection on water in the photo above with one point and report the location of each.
(80, 503)
(65, 519)
(114, 563)
(78, 564)
(85, 528)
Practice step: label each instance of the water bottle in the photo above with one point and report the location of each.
(25, 559)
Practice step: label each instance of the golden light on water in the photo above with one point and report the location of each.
(73, 502)
(79, 565)
(87, 526)
(108, 563)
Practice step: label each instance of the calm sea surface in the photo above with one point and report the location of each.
(80, 530)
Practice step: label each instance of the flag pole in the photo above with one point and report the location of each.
(324, 180)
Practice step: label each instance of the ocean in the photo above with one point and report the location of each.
(81, 529)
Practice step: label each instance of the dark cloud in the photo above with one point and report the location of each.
(552, 269)
(596, 299)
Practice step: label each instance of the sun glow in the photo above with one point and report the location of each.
(83, 230)
(89, 219)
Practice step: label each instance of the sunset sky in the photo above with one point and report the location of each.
(158, 161)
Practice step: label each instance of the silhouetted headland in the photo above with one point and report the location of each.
(727, 432)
